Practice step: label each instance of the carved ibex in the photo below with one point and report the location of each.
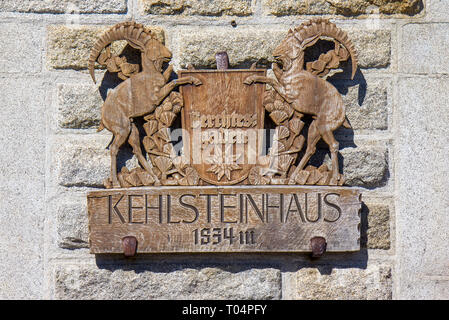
(137, 96)
(306, 92)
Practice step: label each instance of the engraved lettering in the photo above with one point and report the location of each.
(298, 208)
(189, 206)
(223, 207)
(280, 206)
(209, 205)
(319, 208)
(332, 205)
(253, 204)
(116, 210)
(169, 210)
(130, 208)
(159, 207)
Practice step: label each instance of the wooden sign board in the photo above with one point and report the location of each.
(224, 219)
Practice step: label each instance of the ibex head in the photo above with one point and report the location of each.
(154, 53)
(306, 35)
(288, 50)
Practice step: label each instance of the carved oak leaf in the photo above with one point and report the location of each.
(278, 116)
(281, 133)
(284, 162)
(163, 163)
(256, 176)
(150, 127)
(167, 118)
(191, 177)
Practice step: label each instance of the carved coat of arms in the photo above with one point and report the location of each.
(239, 127)
(223, 113)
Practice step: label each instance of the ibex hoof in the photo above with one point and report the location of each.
(196, 81)
(249, 80)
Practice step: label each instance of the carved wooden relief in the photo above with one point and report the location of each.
(224, 140)
(222, 119)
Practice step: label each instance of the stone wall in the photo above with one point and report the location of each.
(52, 155)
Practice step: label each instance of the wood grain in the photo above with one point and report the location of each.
(224, 219)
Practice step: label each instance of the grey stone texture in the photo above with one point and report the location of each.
(165, 281)
(373, 47)
(363, 165)
(345, 8)
(246, 45)
(22, 187)
(194, 7)
(68, 47)
(81, 160)
(79, 106)
(333, 283)
(72, 224)
(438, 10)
(368, 103)
(375, 226)
(422, 180)
(65, 6)
(424, 48)
(23, 58)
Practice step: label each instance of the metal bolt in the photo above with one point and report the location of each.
(318, 245)
(222, 60)
(129, 246)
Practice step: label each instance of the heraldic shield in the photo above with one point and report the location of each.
(222, 122)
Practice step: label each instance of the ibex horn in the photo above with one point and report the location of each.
(133, 32)
(324, 27)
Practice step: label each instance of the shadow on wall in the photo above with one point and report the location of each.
(233, 262)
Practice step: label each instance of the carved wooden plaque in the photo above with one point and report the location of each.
(225, 219)
(228, 187)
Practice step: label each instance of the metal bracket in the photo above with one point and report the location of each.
(318, 245)
(222, 60)
(129, 246)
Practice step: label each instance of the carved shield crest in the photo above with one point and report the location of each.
(222, 121)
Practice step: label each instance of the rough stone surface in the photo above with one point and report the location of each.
(373, 47)
(78, 106)
(194, 7)
(246, 45)
(22, 187)
(81, 160)
(422, 177)
(345, 8)
(375, 228)
(365, 166)
(367, 103)
(72, 226)
(64, 6)
(439, 10)
(331, 283)
(362, 165)
(21, 48)
(164, 281)
(424, 43)
(68, 47)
